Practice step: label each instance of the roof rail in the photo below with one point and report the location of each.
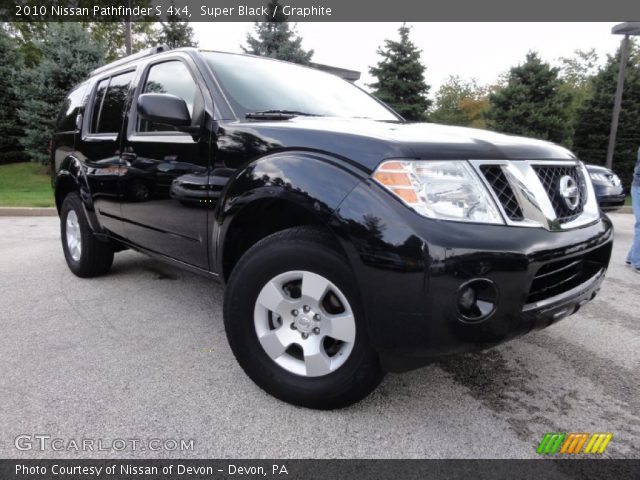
(130, 58)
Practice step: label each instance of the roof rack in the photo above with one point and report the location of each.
(130, 58)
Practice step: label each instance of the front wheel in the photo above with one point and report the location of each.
(295, 323)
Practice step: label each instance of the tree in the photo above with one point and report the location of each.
(400, 77)
(175, 33)
(276, 38)
(577, 72)
(112, 36)
(10, 128)
(68, 55)
(532, 103)
(27, 35)
(593, 122)
(460, 102)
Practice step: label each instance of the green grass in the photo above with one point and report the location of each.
(25, 185)
(627, 201)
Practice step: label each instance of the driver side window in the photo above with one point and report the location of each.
(172, 77)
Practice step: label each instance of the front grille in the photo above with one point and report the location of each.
(559, 276)
(501, 187)
(550, 178)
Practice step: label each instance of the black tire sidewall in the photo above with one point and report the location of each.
(352, 381)
(72, 202)
(96, 256)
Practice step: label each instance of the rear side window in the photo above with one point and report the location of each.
(109, 101)
(97, 104)
(70, 108)
(171, 77)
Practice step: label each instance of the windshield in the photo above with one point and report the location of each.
(256, 85)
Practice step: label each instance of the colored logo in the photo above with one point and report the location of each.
(572, 443)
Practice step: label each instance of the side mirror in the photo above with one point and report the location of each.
(165, 109)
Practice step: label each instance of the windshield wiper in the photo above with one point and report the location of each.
(278, 114)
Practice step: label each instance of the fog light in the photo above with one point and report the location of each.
(476, 299)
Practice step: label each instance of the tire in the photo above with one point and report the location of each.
(317, 371)
(86, 256)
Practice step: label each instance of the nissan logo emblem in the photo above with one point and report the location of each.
(569, 192)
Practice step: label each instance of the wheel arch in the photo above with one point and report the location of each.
(71, 177)
(280, 191)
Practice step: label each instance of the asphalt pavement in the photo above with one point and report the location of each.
(141, 355)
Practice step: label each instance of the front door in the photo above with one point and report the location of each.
(164, 189)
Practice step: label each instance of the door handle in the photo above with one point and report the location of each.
(127, 157)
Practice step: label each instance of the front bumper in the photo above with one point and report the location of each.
(609, 197)
(410, 270)
(611, 202)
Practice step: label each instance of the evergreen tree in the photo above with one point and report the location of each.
(460, 102)
(400, 77)
(276, 38)
(532, 103)
(68, 55)
(593, 119)
(10, 128)
(175, 33)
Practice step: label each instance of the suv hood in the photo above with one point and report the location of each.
(368, 142)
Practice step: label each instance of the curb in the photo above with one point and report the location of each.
(28, 212)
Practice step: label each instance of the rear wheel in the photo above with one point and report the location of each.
(86, 256)
(295, 323)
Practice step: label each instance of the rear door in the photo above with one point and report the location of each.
(165, 187)
(67, 126)
(100, 145)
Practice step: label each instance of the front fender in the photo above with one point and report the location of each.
(313, 181)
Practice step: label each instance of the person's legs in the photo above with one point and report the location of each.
(634, 253)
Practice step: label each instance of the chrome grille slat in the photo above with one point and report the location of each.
(550, 178)
(527, 192)
(501, 187)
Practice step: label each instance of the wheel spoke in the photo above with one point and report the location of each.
(275, 342)
(74, 240)
(341, 327)
(316, 360)
(314, 286)
(272, 298)
(305, 322)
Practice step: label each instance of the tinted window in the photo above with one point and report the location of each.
(70, 109)
(110, 119)
(97, 104)
(258, 84)
(173, 78)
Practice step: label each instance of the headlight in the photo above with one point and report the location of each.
(615, 180)
(448, 190)
(606, 178)
(599, 177)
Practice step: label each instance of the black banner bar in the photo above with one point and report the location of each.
(320, 10)
(119, 469)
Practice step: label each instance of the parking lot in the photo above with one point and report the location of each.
(141, 354)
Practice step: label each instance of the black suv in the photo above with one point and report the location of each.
(351, 242)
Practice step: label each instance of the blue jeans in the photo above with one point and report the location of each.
(634, 253)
